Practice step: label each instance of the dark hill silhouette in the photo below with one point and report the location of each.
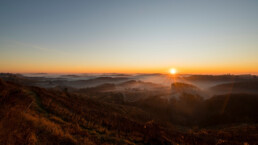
(180, 89)
(220, 77)
(34, 115)
(231, 108)
(236, 87)
(91, 82)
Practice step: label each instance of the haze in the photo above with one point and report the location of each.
(130, 72)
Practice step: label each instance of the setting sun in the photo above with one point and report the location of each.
(172, 71)
(125, 72)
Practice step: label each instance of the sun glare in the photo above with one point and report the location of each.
(172, 71)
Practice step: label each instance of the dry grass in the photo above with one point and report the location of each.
(31, 115)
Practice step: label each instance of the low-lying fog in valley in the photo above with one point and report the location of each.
(130, 108)
(203, 85)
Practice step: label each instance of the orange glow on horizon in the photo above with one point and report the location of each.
(30, 67)
(53, 69)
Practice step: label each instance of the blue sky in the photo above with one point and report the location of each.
(129, 36)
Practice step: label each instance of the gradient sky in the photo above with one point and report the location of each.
(69, 36)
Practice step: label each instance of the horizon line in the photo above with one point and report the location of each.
(253, 74)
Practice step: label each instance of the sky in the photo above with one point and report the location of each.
(134, 36)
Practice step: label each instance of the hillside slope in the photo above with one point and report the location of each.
(33, 115)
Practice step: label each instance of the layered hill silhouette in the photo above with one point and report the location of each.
(32, 115)
(236, 87)
(123, 113)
